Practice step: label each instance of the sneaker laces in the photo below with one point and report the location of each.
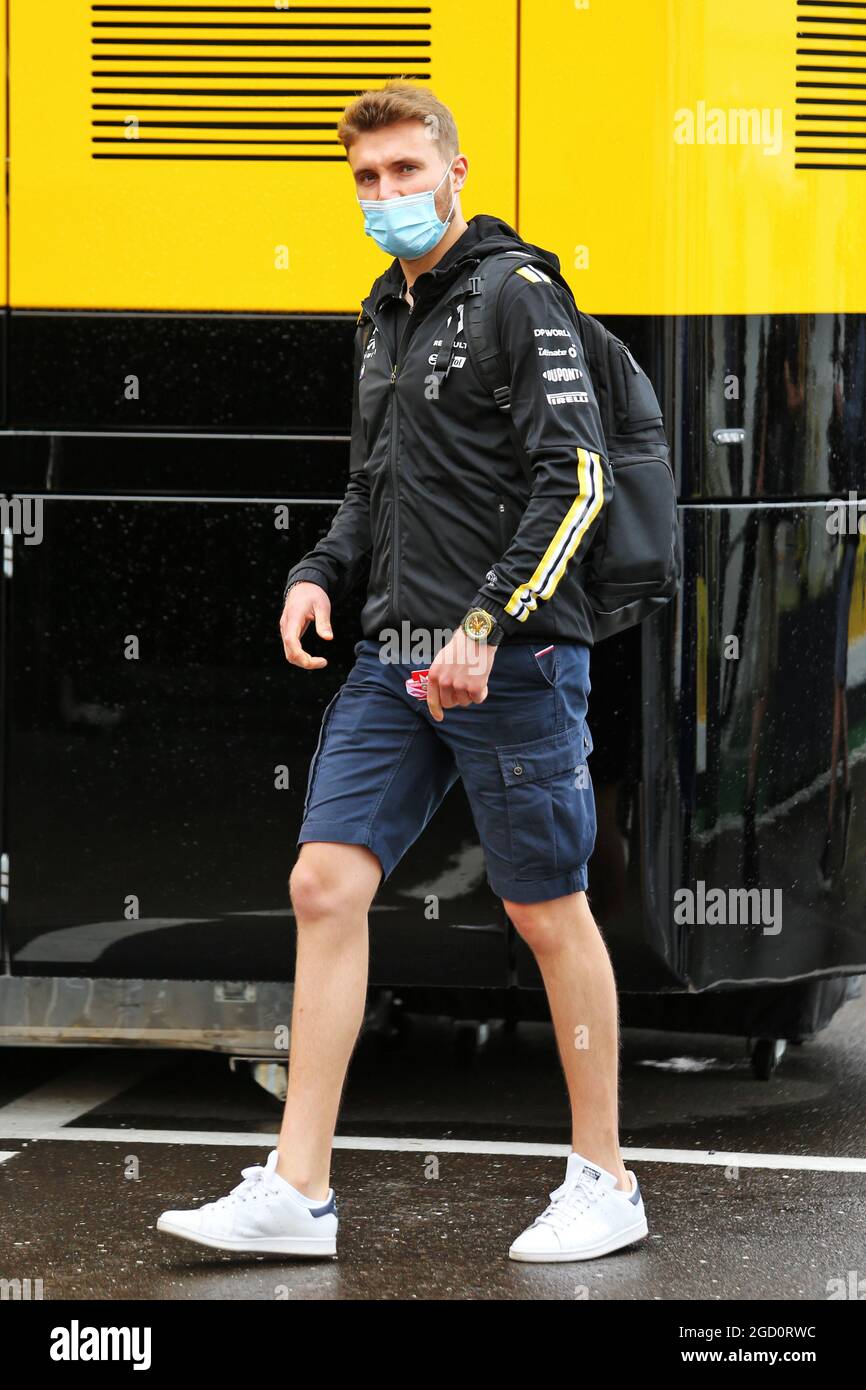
(573, 1196)
(251, 1186)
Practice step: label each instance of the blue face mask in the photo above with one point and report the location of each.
(406, 226)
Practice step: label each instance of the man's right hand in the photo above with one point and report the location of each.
(305, 603)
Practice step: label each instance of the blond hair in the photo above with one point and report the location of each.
(400, 101)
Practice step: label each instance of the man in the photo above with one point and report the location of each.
(439, 520)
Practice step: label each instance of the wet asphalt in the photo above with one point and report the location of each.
(174, 1129)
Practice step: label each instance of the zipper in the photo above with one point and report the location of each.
(500, 517)
(395, 504)
(392, 383)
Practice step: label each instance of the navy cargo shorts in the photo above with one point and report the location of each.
(383, 765)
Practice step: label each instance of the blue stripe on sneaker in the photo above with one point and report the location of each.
(635, 1197)
(330, 1206)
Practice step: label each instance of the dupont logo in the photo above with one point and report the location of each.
(562, 374)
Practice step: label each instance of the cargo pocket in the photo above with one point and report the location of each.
(550, 802)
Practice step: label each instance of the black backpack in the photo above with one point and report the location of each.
(634, 564)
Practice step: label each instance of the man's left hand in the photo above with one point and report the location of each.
(459, 674)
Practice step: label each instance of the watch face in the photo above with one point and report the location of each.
(478, 623)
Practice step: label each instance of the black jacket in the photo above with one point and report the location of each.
(437, 506)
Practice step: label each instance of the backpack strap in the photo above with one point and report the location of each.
(481, 319)
(598, 343)
(444, 358)
(480, 294)
(595, 340)
(480, 313)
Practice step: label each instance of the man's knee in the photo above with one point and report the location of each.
(331, 880)
(529, 919)
(541, 924)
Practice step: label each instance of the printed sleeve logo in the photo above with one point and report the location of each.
(562, 374)
(368, 352)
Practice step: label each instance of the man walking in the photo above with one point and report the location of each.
(439, 519)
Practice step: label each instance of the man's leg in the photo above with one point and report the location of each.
(377, 776)
(332, 886)
(581, 990)
(534, 808)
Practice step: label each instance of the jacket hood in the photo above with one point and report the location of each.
(484, 236)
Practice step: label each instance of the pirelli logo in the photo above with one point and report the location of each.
(567, 397)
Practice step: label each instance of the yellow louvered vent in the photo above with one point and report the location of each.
(184, 156)
(243, 81)
(831, 85)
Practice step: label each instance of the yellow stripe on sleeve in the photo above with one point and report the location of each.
(570, 532)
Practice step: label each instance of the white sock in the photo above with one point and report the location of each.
(307, 1201)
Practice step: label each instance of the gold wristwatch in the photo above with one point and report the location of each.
(482, 626)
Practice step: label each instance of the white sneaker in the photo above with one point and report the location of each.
(261, 1216)
(587, 1216)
